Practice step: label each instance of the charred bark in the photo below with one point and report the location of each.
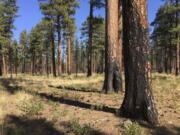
(113, 48)
(138, 101)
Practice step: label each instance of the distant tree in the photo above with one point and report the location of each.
(98, 41)
(77, 55)
(24, 49)
(164, 38)
(15, 56)
(93, 4)
(138, 101)
(8, 9)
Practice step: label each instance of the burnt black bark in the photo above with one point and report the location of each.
(113, 76)
(138, 101)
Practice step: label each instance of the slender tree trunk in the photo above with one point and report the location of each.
(170, 55)
(59, 46)
(47, 65)
(90, 51)
(166, 60)
(16, 61)
(1, 61)
(69, 56)
(24, 64)
(53, 52)
(113, 80)
(33, 63)
(178, 45)
(138, 101)
(4, 64)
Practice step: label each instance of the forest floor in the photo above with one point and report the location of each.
(70, 105)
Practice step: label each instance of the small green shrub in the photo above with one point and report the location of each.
(58, 115)
(32, 109)
(77, 97)
(79, 129)
(132, 129)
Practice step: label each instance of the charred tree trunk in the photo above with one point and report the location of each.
(113, 80)
(90, 52)
(59, 46)
(138, 101)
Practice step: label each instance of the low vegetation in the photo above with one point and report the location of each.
(62, 106)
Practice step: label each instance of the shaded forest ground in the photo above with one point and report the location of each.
(37, 105)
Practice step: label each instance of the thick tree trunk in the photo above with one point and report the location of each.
(59, 46)
(90, 51)
(113, 77)
(138, 101)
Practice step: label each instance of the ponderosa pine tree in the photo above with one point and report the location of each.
(164, 38)
(138, 101)
(61, 8)
(98, 40)
(58, 11)
(77, 56)
(177, 29)
(113, 75)
(69, 30)
(8, 9)
(93, 4)
(24, 48)
(48, 10)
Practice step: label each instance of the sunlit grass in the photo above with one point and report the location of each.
(166, 90)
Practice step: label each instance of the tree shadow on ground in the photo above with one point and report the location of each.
(63, 100)
(31, 126)
(10, 85)
(76, 89)
(15, 125)
(161, 130)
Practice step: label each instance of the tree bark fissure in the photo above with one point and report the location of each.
(138, 101)
(113, 58)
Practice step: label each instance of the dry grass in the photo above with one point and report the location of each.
(63, 99)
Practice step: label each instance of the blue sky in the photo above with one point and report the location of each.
(30, 14)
